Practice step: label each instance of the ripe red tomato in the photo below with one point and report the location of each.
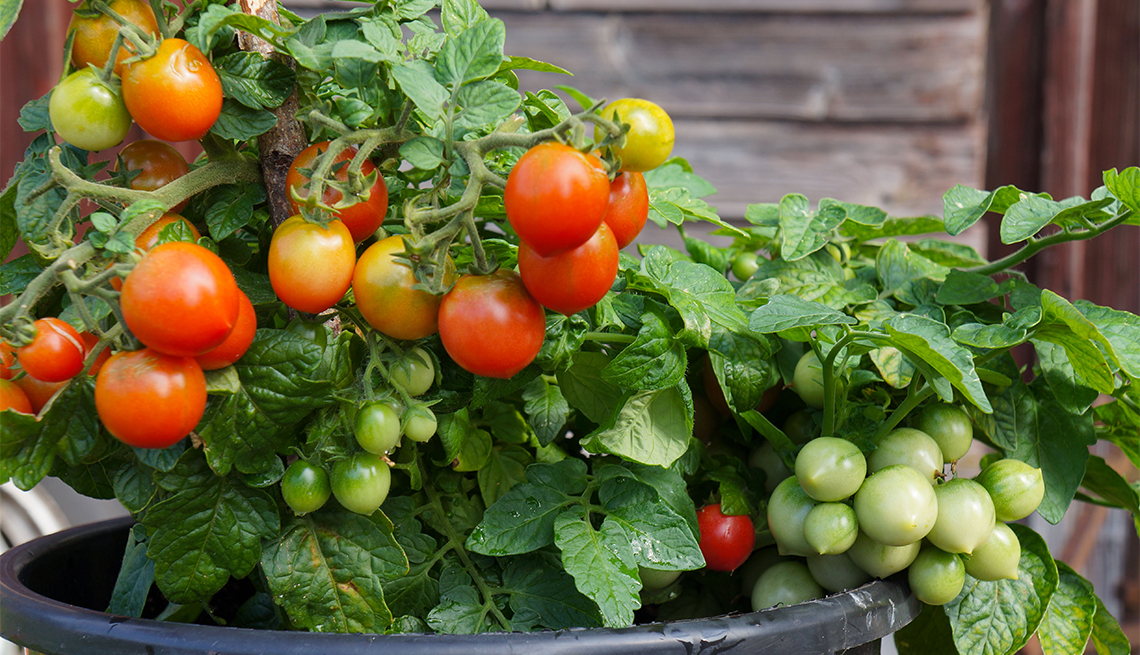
(384, 293)
(158, 164)
(13, 397)
(363, 218)
(556, 197)
(180, 299)
(628, 208)
(726, 541)
(90, 341)
(310, 267)
(575, 279)
(39, 393)
(490, 324)
(55, 354)
(175, 95)
(7, 360)
(150, 400)
(235, 345)
(95, 36)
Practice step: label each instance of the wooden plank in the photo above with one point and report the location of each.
(795, 6)
(903, 169)
(815, 68)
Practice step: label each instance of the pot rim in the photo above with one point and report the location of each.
(841, 621)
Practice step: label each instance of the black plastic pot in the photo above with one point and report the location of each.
(52, 589)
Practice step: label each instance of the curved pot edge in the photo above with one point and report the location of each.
(856, 617)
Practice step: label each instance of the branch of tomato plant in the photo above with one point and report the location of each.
(915, 394)
(1036, 245)
(143, 43)
(455, 542)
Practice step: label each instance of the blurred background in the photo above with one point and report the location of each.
(880, 102)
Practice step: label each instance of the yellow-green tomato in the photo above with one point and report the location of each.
(360, 483)
(936, 577)
(377, 428)
(830, 468)
(654, 579)
(305, 487)
(1015, 487)
(807, 381)
(950, 427)
(831, 528)
(879, 560)
(965, 516)
(896, 506)
(786, 583)
(787, 508)
(650, 138)
(88, 113)
(997, 559)
(836, 572)
(909, 447)
(420, 424)
(415, 372)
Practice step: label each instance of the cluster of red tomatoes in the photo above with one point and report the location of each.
(174, 95)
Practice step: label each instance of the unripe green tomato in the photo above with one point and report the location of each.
(881, 561)
(377, 428)
(765, 458)
(896, 506)
(787, 508)
(830, 469)
(305, 487)
(650, 138)
(421, 425)
(909, 447)
(786, 583)
(837, 573)
(936, 577)
(800, 427)
(654, 579)
(361, 482)
(87, 113)
(997, 559)
(757, 563)
(807, 381)
(744, 265)
(950, 427)
(831, 528)
(1015, 487)
(965, 516)
(415, 373)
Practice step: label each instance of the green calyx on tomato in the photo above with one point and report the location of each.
(365, 214)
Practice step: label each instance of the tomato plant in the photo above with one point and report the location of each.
(365, 215)
(628, 208)
(726, 541)
(175, 95)
(386, 293)
(305, 487)
(650, 138)
(556, 197)
(148, 399)
(95, 34)
(490, 325)
(153, 164)
(573, 280)
(87, 112)
(56, 352)
(310, 266)
(184, 280)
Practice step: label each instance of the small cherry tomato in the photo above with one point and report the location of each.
(650, 138)
(361, 482)
(629, 207)
(362, 218)
(180, 299)
(556, 197)
(174, 95)
(575, 279)
(305, 487)
(490, 325)
(39, 393)
(377, 427)
(90, 342)
(55, 354)
(7, 360)
(238, 341)
(94, 36)
(147, 399)
(726, 541)
(157, 163)
(310, 267)
(385, 296)
(13, 397)
(88, 113)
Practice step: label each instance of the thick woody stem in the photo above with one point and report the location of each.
(280, 145)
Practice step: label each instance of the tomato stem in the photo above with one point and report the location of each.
(1035, 245)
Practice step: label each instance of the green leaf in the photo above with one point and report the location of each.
(676, 172)
(785, 312)
(989, 336)
(485, 102)
(210, 529)
(897, 265)
(9, 233)
(893, 227)
(255, 81)
(585, 389)
(523, 519)
(136, 575)
(9, 10)
(505, 468)
(1029, 215)
(542, 594)
(650, 427)
(602, 563)
(526, 63)
(1120, 424)
(16, 274)
(661, 538)
(466, 447)
(1121, 331)
(461, 609)
(474, 54)
(35, 115)
(423, 152)
(655, 359)
(742, 368)
(948, 253)
(326, 569)
(546, 409)
(280, 386)
(926, 340)
(928, 634)
(804, 231)
(68, 427)
(1068, 621)
(1057, 442)
(893, 366)
(457, 15)
(1062, 324)
(1125, 186)
(34, 213)
(242, 123)
(965, 288)
(1058, 372)
(1107, 636)
(1104, 481)
(230, 208)
(418, 82)
(860, 214)
(963, 206)
(989, 618)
